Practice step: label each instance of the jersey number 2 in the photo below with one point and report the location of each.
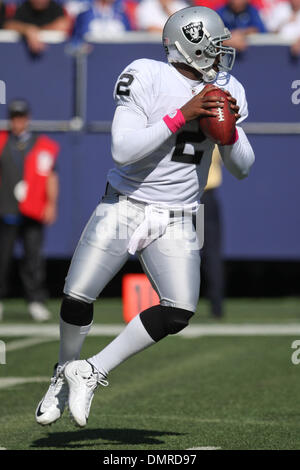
(188, 137)
(124, 83)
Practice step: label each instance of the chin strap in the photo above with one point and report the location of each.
(209, 74)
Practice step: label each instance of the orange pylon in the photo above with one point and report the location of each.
(137, 295)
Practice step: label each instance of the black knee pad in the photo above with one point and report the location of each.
(160, 321)
(76, 312)
(176, 319)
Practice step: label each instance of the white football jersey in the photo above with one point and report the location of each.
(176, 172)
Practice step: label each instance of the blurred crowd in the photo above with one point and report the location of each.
(109, 17)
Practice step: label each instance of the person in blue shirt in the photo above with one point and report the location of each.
(241, 19)
(101, 17)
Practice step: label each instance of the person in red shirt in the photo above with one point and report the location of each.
(28, 201)
(213, 4)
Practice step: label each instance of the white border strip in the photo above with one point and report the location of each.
(49, 37)
(55, 37)
(268, 39)
(155, 38)
(124, 38)
(271, 127)
(104, 127)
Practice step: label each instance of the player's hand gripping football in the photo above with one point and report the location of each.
(205, 106)
(233, 104)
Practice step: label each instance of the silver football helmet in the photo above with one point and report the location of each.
(195, 36)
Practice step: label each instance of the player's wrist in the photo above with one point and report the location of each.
(175, 121)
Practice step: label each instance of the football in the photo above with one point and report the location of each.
(220, 129)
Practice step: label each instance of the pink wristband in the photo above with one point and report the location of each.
(235, 137)
(175, 122)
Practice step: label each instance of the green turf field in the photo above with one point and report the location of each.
(232, 392)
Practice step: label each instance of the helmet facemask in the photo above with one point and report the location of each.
(200, 49)
(226, 54)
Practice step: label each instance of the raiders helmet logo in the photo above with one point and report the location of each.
(193, 31)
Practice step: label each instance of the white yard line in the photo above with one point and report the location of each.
(246, 329)
(205, 448)
(25, 343)
(193, 331)
(52, 330)
(7, 382)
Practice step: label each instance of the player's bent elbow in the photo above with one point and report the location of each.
(244, 171)
(119, 150)
(117, 158)
(242, 174)
(118, 154)
(121, 160)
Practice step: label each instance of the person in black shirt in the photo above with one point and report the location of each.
(2, 14)
(35, 15)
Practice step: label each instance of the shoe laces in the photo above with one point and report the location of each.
(57, 380)
(58, 374)
(92, 382)
(95, 379)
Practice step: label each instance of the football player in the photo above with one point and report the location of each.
(161, 165)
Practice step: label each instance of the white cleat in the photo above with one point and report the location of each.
(38, 311)
(83, 380)
(52, 405)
